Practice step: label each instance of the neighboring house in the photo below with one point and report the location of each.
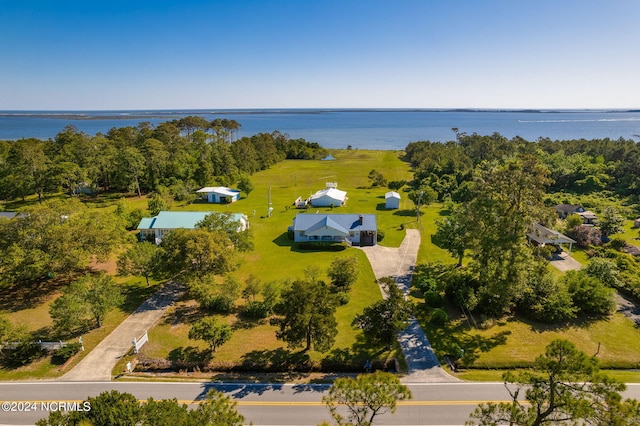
(543, 236)
(219, 194)
(155, 228)
(330, 196)
(566, 210)
(632, 250)
(84, 189)
(8, 215)
(392, 200)
(355, 229)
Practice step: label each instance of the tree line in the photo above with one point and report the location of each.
(494, 190)
(575, 166)
(177, 156)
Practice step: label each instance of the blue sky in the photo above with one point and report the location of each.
(139, 54)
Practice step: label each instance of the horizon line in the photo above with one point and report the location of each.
(323, 109)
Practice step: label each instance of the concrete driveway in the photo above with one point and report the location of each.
(99, 363)
(398, 263)
(564, 262)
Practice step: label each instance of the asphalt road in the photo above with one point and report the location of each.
(269, 404)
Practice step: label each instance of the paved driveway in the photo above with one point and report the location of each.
(398, 263)
(99, 363)
(564, 262)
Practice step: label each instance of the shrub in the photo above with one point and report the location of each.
(322, 246)
(589, 294)
(433, 299)
(380, 235)
(342, 298)
(24, 353)
(439, 317)
(425, 285)
(455, 352)
(618, 243)
(64, 353)
(547, 300)
(257, 310)
(585, 236)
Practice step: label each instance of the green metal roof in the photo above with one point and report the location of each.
(175, 220)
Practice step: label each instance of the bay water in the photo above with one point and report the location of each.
(357, 128)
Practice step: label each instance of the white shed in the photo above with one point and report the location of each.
(392, 200)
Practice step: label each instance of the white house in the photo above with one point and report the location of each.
(155, 228)
(565, 210)
(219, 194)
(392, 200)
(327, 197)
(8, 215)
(356, 229)
(542, 236)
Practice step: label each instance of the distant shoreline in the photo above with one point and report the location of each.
(176, 114)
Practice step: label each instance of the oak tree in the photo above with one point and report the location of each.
(308, 316)
(212, 332)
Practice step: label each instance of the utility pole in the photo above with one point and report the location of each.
(269, 208)
(418, 209)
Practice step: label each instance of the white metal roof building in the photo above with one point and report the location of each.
(392, 200)
(219, 194)
(328, 197)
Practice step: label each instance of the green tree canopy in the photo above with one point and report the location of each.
(308, 316)
(56, 237)
(242, 239)
(88, 298)
(507, 200)
(212, 332)
(381, 320)
(114, 408)
(365, 397)
(564, 387)
(610, 222)
(141, 260)
(195, 253)
(343, 272)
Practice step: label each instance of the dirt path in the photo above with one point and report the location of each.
(398, 263)
(98, 364)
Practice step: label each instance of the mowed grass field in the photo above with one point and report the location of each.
(276, 258)
(504, 344)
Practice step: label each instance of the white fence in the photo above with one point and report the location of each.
(138, 343)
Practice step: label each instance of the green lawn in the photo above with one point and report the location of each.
(35, 318)
(516, 343)
(276, 258)
(256, 339)
(504, 344)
